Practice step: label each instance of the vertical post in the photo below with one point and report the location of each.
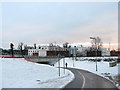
(59, 63)
(74, 54)
(73, 61)
(96, 49)
(64, 63)
(96, 57)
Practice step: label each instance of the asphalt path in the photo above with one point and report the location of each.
(85, 79)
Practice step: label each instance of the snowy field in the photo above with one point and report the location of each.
(82, 63)
(18, 73)
(0, 74)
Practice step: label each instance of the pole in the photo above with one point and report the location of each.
(73, 61)
(96, 57)
(96, 50)
(64, 64)
(59, 63)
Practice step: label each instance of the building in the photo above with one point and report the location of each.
(105, 52)
(56, 53)
(50, 50)
(40, 51)
(81, 51)
(94, 53)
(115, 53)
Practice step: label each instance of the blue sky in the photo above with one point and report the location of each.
(48, 22)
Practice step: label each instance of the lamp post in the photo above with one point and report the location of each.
(96, 49)
(59, 63)
(64, 63)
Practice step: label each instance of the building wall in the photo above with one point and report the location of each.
(105, 52)
(32, 52)
(81, 51)
(115, 53)
(43, 48)
(93, 53)
(55, 53)
(42, 53)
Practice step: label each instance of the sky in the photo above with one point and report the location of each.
(46, 22)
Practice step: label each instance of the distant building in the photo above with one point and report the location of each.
(40, 51)
(115, 53)
(81, 51)
(43, 51)
(93, 53)
(105, 52)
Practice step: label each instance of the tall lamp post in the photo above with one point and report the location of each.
(59, 63)
(96, 49)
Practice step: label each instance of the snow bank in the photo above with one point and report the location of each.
(102, 58)
(18, 73)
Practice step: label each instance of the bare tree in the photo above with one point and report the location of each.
(50, 44)
(65, 45)
(20, 47)
(25, 47)
(97, 42)
(34, 45)
(11, 47)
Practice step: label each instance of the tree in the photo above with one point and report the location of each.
(65, 45)
(50, 44)
(20, 47)
(97, 42)
(11, 48)
(34, 45)
(25, 47)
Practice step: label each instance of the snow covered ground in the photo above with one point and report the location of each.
(82, 63)
(0, 74)
(18, 73)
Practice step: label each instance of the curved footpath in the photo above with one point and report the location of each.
(84, 79)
